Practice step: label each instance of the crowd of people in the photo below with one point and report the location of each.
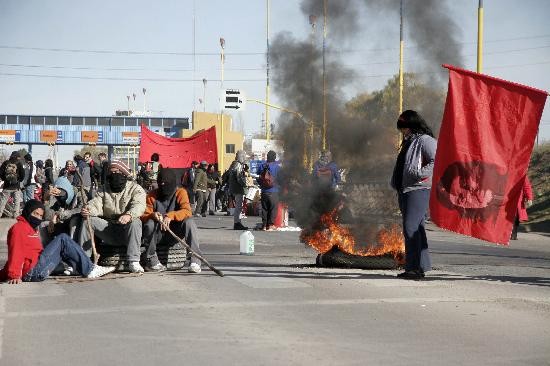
(118, 207)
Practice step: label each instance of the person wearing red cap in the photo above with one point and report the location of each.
(115, 214)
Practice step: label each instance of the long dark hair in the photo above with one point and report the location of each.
(414, 121)
(48, 163)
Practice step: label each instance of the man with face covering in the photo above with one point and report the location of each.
(62, 208)
(169, 205)
(29, 260)
(114, 214)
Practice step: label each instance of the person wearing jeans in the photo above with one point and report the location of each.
(29, 261)
(237, 183)
(168, 206)
(412, 179)
(270, 192)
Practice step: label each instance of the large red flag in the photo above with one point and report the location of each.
(178, 152)
(484, 146)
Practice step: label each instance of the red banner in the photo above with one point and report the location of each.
(484, 146)
(178, 152)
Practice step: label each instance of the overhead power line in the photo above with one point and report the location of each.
(120, 78)
(175, 53)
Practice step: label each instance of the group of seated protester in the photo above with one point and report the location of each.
(46, 235)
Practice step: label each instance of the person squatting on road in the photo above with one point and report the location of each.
(169, 205)
(237, 183)
(115, 214)
(29, 261)
(267, 173)
(412, 179)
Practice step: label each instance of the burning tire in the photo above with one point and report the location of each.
(338, 259)
(173, 257)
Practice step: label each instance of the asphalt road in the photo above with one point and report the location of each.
(482, 305)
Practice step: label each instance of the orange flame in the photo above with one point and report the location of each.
(388, 241)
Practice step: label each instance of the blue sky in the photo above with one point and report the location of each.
(110, 49)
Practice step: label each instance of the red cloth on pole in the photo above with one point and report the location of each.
(483, 150)
(178, 152)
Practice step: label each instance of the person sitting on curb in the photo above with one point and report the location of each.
(169, 205)
(29, 261)
(114, 214)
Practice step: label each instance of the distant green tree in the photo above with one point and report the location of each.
(381, 108)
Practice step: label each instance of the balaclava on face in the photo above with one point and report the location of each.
(30, 206)
(167, 183)
(117, 181)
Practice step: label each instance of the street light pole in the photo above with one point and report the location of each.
(204, 95)
(267, 125)
(222, 147)
(325, 124)
(128, 110)
(312, 22)
(144, 103)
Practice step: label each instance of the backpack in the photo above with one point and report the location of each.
(324, 175)
(40, 176)
(11, 173)
(152, 170)
(265, 179)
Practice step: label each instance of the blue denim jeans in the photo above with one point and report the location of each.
(62, 247)
(413, 206)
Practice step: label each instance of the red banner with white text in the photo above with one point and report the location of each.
(484, 146)
(178, 152)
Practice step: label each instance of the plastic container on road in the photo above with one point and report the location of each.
(247, 243)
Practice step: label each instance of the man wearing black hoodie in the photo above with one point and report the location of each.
(168, 205)
(12, 174)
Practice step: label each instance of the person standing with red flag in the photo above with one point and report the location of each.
(412, 179)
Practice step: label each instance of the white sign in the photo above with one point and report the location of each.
(233, 99)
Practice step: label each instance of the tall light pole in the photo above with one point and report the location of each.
(144, 101)
(204, 95)
(222, 145)
(401, 42)
(312, 22)
(325, 124)
(267, 125)
(128, 110)
(480, 37)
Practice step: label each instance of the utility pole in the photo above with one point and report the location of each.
(480, 37)
(324, 76)
(267, 125)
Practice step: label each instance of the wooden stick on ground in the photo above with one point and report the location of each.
(181, 241)
(88, 222)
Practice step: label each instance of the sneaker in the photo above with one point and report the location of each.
(69, 271)
(135, 267)
(194, 268)
(99, 271)
(203, 215)
(198, 215)
(211, 213)
(159, 267)
(239, 226)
